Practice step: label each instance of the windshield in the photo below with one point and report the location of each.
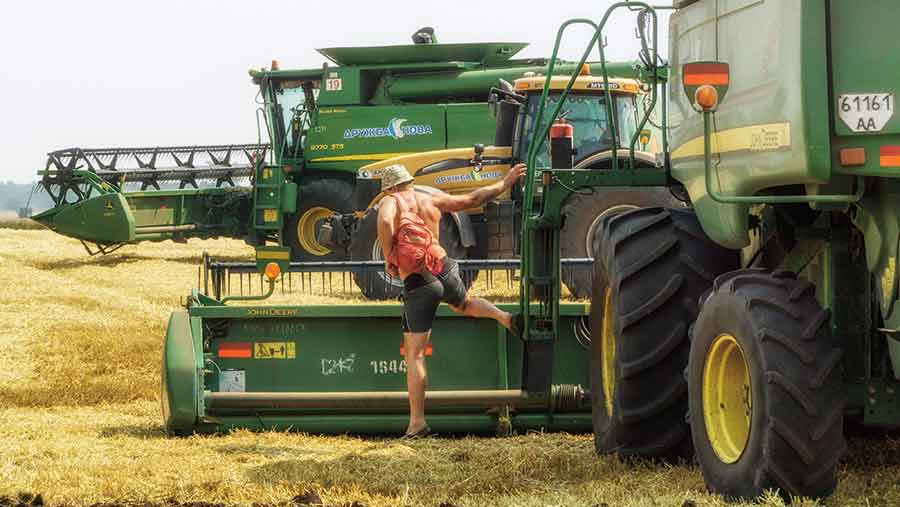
(289, 129)
(588, 116)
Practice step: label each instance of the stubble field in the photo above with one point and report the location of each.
(80, 342)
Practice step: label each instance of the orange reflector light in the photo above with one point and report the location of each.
(706, 97)
(696, 74)
(889, 156)
(428, 350)
(585, 70)
(853, 156)
(272, 271)
(236, 350)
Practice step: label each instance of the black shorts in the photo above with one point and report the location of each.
(423, 292)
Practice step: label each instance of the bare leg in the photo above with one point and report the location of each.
(482, 308)
(416, 378)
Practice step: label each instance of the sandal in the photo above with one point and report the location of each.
(422, 433)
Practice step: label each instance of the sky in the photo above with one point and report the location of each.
(94, 73)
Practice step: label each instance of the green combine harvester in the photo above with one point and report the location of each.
(743, 331)
(366, 105)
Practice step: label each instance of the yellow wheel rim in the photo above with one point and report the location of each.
(727, 405)
(306, 230)
(608, 352)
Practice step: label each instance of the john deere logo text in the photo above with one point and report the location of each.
(395, 129)
(271, 312)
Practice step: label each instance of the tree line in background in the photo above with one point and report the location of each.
(15, 196)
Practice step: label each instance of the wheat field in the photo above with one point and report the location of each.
(80, 341)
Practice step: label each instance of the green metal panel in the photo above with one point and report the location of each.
(365, 134)
(320, 349)
(477, 82)
(179, 374)
(864, 53)
(488, 52)
(762, 126)
(864, 60)
(105, 219)
(814, 83)
(469, 124)
(176, 207)
(115, 217)
(268, 198)
(341, 86)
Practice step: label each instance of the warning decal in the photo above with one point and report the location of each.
(274, 350)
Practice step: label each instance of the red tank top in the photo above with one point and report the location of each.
(412, 243)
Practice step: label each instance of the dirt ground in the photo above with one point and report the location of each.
(80, 423)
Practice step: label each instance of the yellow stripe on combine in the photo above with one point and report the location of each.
(766, 137)
(364, 156)
(273, 255)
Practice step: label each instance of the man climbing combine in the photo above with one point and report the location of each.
(409, 234)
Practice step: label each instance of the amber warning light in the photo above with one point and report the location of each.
(705, 83)
(272, 271)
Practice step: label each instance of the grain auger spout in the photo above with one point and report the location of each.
(99, 194)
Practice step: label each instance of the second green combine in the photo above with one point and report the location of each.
(312, 187)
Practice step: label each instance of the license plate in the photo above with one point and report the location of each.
(866, 112)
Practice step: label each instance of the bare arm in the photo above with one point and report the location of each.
(449, 203)
(387, 211)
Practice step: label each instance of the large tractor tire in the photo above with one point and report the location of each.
(364, 246)
(766, 402)
(317, 200)
(653, 266)
(580, 235)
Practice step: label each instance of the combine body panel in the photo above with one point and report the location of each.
(773, 129)
(810, 110)
(306, 368)
(345, 138)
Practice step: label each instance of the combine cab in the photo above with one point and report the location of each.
(600, 122)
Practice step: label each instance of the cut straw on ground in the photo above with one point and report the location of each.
(80, 423)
